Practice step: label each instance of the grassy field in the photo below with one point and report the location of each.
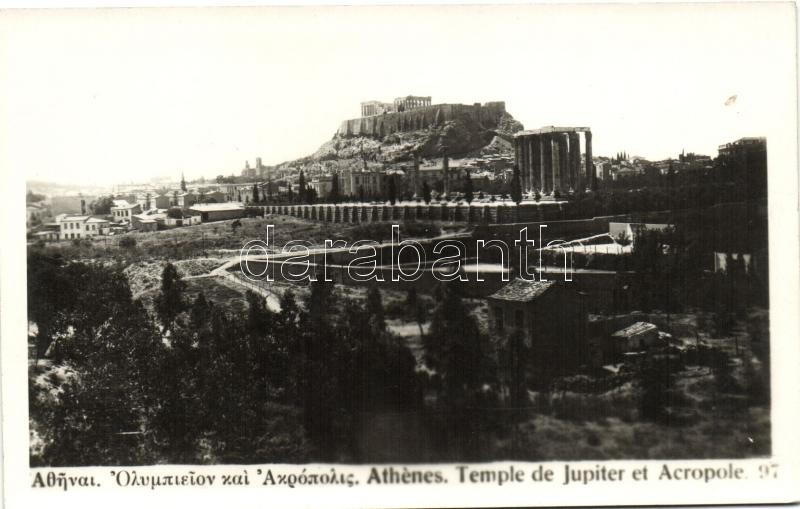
(219, 239)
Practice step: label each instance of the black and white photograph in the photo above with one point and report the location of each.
(400, 236)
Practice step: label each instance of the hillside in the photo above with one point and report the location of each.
(463, 136)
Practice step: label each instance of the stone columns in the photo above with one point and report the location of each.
(547, 164)
(555, 164)
(536, 162)
(575, 161)
(539, 147)
(589, 164)
(563, 162)
(525, 163)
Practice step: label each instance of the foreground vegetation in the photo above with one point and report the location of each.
(185, 379)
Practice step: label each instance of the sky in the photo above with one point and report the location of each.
(108, 96)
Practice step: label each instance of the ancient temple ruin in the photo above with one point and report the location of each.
(400, 104)
(549, 160)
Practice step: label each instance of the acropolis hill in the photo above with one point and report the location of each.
(393, 132)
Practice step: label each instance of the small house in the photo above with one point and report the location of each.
(550, 315)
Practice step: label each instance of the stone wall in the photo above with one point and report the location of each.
(477, 213)
(487, 114)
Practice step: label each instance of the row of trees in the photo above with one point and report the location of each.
(192, 381)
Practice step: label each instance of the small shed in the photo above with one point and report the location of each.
(639, 336)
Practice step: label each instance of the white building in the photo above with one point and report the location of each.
(124, 211)
(81, 227)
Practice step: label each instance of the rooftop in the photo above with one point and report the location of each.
(210, 207)
(522, 290)
(633, 330)
(123, 204)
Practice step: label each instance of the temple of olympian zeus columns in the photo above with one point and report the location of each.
(549, 160)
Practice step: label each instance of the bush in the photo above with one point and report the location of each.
(127, 242)
(418, 229)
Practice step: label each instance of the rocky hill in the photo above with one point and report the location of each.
(463, 131)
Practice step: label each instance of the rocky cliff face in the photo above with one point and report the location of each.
(461, 130)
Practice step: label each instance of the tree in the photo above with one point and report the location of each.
(301, 187)
(426, 192)
(334, 195)
(516, 186)
(468, 190)
(391, 190)
(514, 359)
(175, 213)
(259, 318)
(256, 198)
(127, 242)
(170, 302)
(361, 193)
(311, 195)
(375, 310)
(655, 383)
(183, 183)
(415, 309)
(102, 205)
(459, 353)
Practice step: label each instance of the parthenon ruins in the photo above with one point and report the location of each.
(410, 102)
(549, 159)
(400, 104)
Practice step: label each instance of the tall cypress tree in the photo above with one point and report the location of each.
(334, 196)
(516, 186)
(170, 302)
(391, 192)
(301, 184)
(468, 190)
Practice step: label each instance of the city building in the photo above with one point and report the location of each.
(81, 227)
(217, 211)
(211, 197)
(322, 185)
(352, 182)
(122, 211)
(743, 147)
(145, 222)
(186, 200)
(161, 201)
(179, 217)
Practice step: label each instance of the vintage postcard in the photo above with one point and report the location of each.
(400, 256)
